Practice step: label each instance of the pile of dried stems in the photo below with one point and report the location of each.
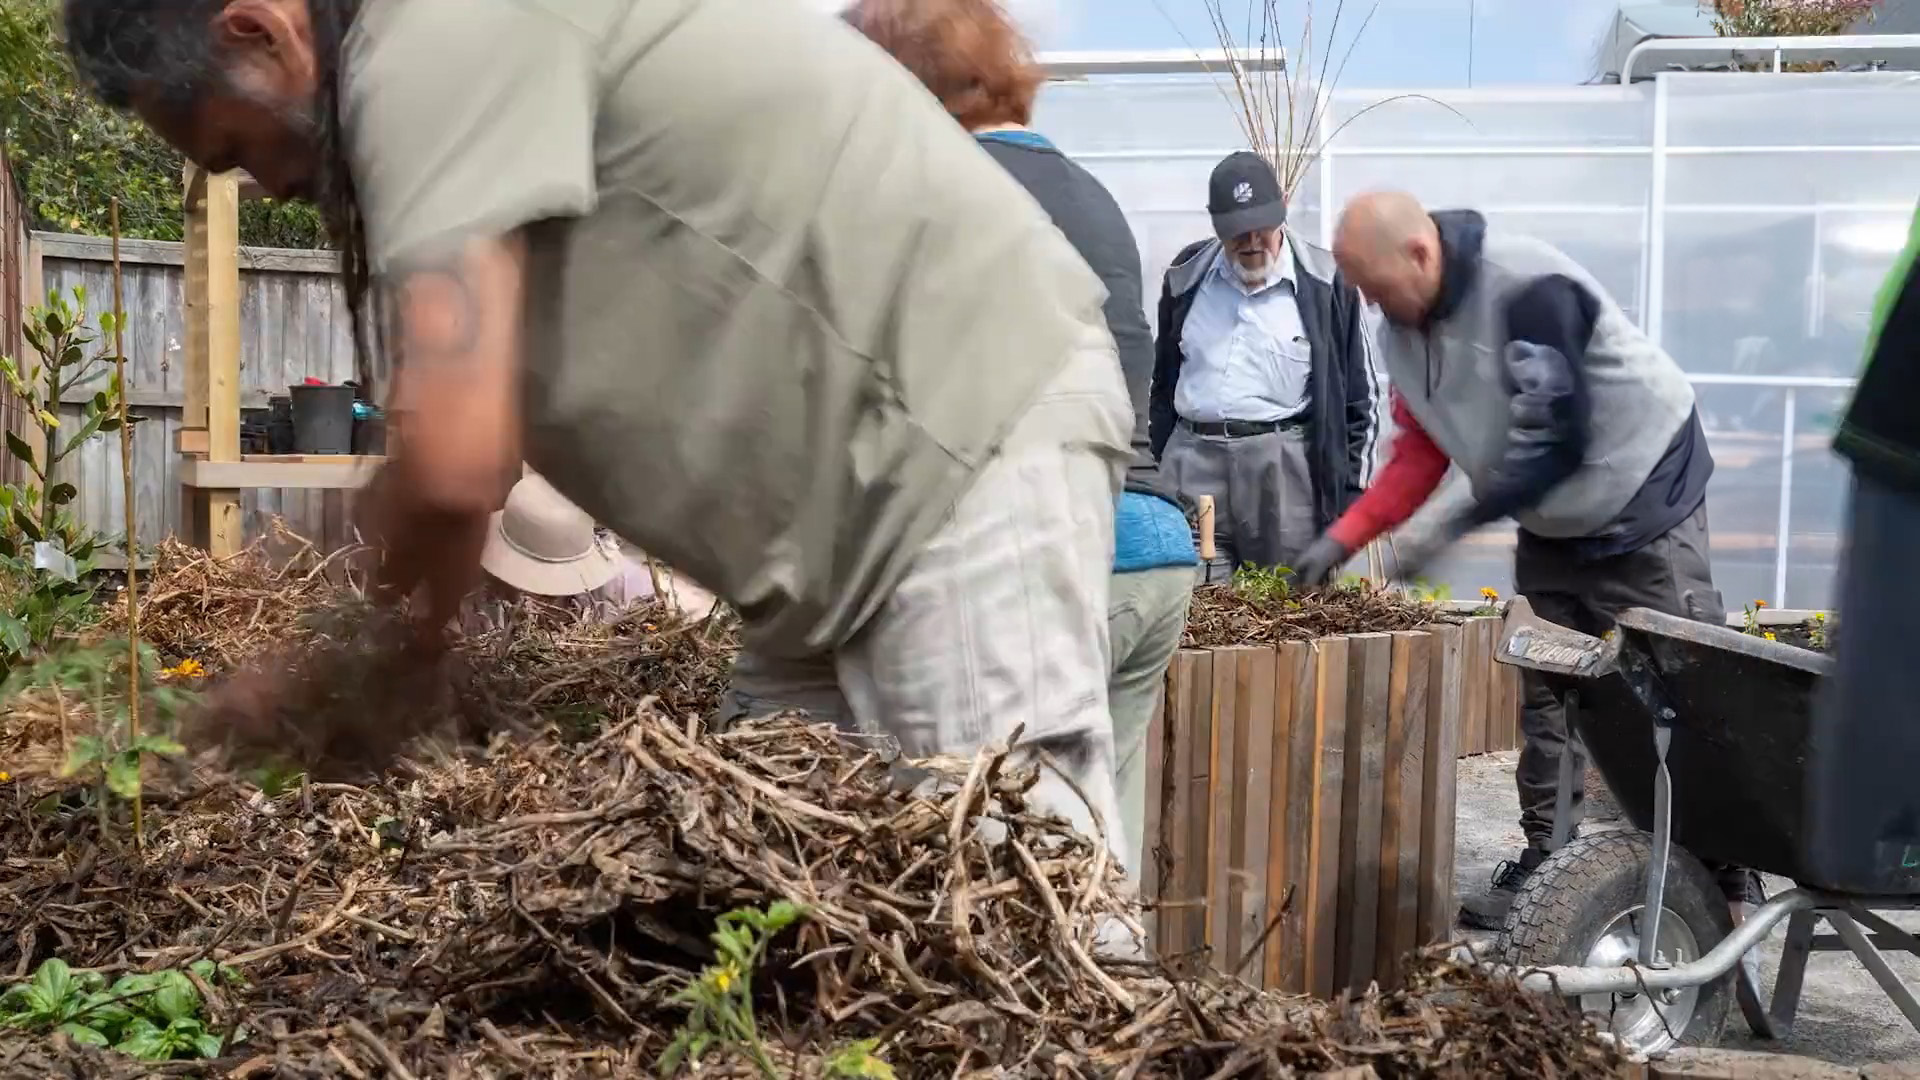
(531, 909)
(531, 912)
(1225, 615)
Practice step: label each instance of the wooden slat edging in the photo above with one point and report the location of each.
(1226, 724)
(1156, 767)
(1329, 784)
(1499, 703)
(1188, 698)
(1198, 816)
(1258, 691)
(1369, 668)
(1309, 787)
(1475, 684)
(1438, 905)
(1403, 808)
(1290, 821)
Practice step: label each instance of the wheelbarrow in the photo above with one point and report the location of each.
(1706, 737)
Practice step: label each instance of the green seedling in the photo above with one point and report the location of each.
(111, 756)
(1264, 585)
(157, 1016)
(856, 1061)
(720, 1001)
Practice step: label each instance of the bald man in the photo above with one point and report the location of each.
(1509, 360)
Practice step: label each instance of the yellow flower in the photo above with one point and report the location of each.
(1759, 603)
(1820, 616)
(724, 977)
(1769, 636)
(6, 777)
(1490, 592)
(187, 669)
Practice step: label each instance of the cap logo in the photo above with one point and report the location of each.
(1243, 192)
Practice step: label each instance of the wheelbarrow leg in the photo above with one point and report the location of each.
(1896, 990)
(1752, 1005)
(1662, 843)
(1785, 1008)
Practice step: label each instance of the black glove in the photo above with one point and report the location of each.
(1317, 564)
(1412, 560)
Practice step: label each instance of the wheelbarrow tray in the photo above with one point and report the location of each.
(1741, 710)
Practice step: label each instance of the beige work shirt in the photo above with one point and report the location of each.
(780, 306)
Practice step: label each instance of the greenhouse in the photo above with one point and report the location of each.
(1745, 218)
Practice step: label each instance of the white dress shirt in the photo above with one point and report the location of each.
(1246, 351)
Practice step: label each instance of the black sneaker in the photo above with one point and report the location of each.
(1488, 911)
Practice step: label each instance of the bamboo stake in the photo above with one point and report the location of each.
(126, 474)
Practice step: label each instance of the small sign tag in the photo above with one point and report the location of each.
(48, 556)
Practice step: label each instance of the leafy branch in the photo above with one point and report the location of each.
(73, 155)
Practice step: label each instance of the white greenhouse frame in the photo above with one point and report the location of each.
(1659, 149)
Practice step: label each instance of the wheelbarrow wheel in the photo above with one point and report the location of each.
(1583, 907)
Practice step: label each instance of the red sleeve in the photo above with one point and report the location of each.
(1413, 469)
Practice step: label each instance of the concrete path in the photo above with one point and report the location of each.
(1844, 1018)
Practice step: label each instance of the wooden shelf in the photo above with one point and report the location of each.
(324, 472)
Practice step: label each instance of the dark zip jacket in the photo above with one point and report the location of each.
(1343, 383)
(1083, 209)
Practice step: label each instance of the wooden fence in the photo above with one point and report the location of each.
(14, 297)
(293, 324)
(1301, 800)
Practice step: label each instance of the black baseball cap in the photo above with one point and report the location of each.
(1243, 195)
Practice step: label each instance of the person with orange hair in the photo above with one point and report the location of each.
(973, 58)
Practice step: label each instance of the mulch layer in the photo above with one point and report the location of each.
(522, 885)
(1226, 615)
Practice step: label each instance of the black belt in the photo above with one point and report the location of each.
(1240, 429)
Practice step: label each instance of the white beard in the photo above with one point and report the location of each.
(1253, 279)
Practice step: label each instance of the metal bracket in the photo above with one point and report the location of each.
(1662, 840)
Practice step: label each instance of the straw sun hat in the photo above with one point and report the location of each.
(541, 543)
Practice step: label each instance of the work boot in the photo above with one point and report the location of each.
(1741, 886)
(1488, 911)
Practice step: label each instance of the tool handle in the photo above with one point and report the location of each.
(1206, 527)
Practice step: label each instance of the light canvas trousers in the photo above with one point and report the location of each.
(1002, 620)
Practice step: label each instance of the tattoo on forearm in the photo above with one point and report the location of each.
(440, 314)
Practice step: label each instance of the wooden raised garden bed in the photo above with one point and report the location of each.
(1300, 800)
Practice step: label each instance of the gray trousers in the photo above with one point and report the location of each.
(1670, 575)
(1146, 617)
(1262, 494)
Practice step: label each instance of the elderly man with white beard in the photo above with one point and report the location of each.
(1265, 394)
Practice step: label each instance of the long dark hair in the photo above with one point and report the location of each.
(163, 51)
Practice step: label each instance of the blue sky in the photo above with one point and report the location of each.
(1408, 43)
